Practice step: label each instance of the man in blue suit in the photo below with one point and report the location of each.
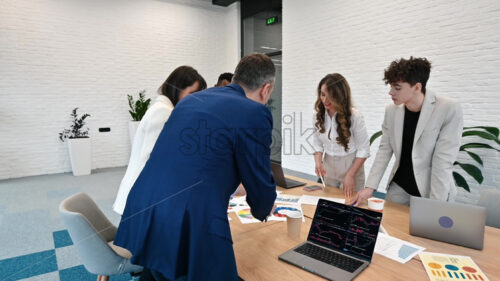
(175, 220)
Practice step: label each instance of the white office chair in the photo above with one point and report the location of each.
(93, 234)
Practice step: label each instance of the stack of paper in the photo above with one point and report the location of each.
(396, 249)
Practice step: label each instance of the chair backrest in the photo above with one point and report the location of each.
(90, 231)
(490, 199)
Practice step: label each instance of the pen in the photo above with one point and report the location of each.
(322, 181)
(321, 176)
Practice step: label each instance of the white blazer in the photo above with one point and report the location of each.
(145, 138)
(435, 146)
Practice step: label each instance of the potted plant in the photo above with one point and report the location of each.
(137, 110)
(484, 132)
(78, 144)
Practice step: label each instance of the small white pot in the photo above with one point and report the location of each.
(80, 155)
(132, 128)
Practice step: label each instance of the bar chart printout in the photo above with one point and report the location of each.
(441, 267)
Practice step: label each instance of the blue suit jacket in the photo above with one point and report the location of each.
(175, 219)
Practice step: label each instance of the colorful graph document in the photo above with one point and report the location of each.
(287, 199)
(235, 202)
(244, 214)
(279, 213)
(442, 267)
(396, 249)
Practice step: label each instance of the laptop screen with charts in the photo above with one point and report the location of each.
(279, 176)
(340, 243)
(453, 223)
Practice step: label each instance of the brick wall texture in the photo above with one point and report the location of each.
(57, 55)
(360, 38)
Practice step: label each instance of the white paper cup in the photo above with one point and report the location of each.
(376, 204)
(293, 223)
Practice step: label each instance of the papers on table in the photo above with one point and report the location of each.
(284, 203)
(441, 267)
(279, 213)
(287, 199)
(396, 249)
(245, 216)
(243, 213)
(239, 206)
(313, 200)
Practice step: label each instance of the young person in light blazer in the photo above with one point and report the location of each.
(423, 131)
(183, 81)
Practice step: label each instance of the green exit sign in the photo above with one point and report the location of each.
(272, 20)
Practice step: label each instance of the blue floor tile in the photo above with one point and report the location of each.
(62, 239)
(76, 273)
(28, 265)
(81, 274)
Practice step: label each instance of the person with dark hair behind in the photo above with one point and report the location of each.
(224, 79)
(175, 220)
(183, 81)
(423, 131)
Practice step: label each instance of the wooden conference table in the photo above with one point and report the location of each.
(258, 245)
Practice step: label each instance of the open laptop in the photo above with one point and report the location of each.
(340, 243)
(280, 177)
(454, 223)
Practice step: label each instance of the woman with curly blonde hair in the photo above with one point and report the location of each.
(340, 141)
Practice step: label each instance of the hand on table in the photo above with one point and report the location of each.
(362, 196)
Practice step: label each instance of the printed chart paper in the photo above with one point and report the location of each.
(287, 199)
(243, 213)
(441, 267)
(279, 213)
(396, 249)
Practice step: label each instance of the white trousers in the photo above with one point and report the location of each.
(336, 168)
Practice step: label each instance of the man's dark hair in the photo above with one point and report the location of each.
(411, 71)
(253, 71)
(224, 76)
(181, 78)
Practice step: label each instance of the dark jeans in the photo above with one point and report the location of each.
(151, 275)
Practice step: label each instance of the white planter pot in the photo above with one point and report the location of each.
(80, 155)
(132, 128)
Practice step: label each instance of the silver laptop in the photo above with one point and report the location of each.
(454, 223)
(340, 243)
(279, 176)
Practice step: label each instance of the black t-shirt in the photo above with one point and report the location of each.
(404, 176)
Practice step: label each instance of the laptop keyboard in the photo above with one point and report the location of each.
(330, 257)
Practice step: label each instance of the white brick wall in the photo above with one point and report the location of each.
(57, 55)
(360, 38)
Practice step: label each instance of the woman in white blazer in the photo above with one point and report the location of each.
(183, 81)
(340, 140)
(423, 131)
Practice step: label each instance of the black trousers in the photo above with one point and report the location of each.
(151, 275)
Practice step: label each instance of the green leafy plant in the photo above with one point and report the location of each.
(76, 130)
(484, 132)
(138, 108)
